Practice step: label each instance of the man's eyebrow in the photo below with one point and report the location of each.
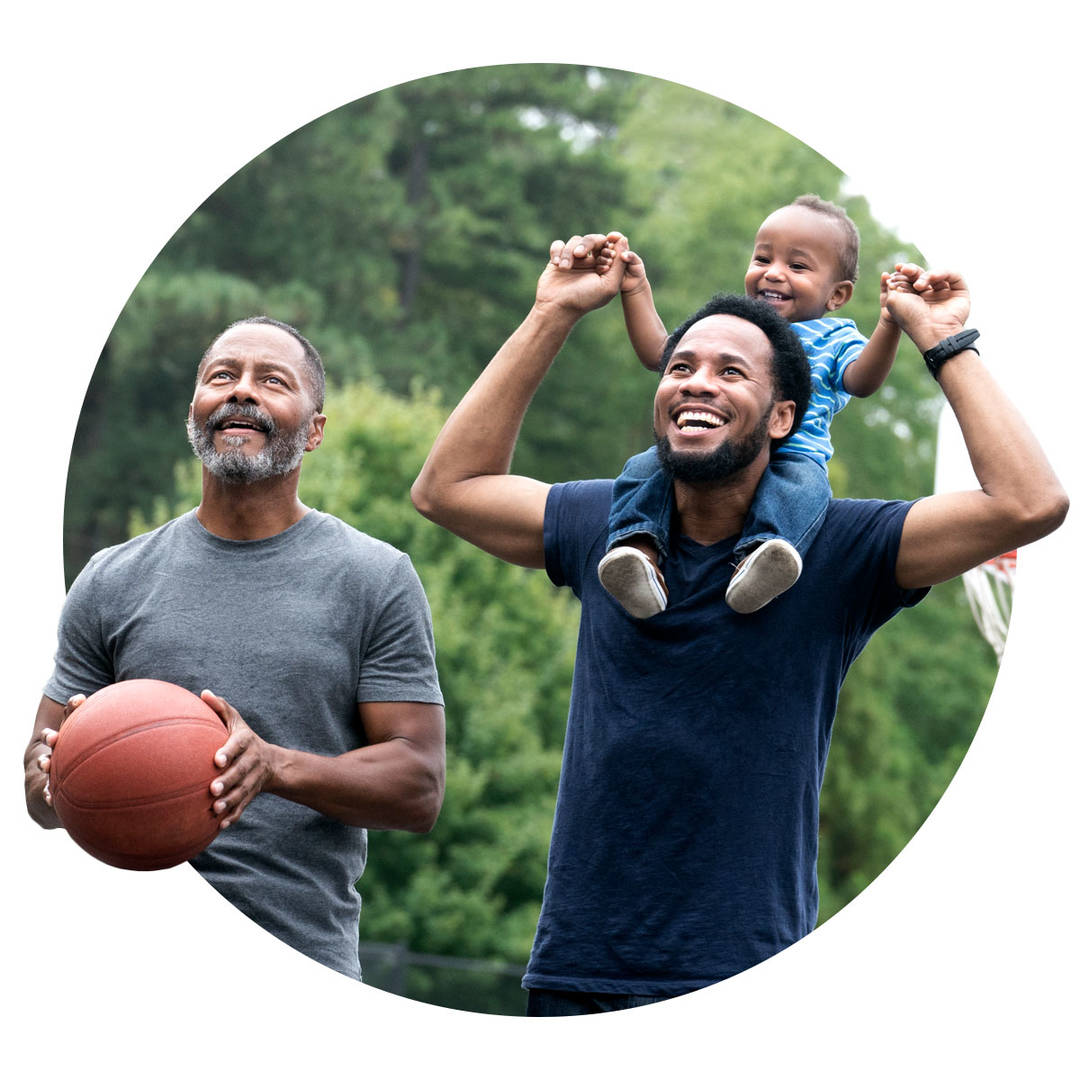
(261, 364)
(722, 357)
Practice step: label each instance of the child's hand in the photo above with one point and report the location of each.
(900, 280)
(634, 274)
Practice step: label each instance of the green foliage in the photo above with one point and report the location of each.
(403, 234)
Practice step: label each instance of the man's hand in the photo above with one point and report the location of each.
(927, 305)
(39, 759)
(574, 278)
(249, 763)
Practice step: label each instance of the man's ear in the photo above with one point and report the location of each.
(315, 432)
(783, 419)
(840, 295)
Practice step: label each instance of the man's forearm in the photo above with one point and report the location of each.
(479, 437)
(1008, 461)
(1019, 499)
(465, 484)
(391, 785)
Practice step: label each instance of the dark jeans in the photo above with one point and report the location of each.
(790, 502)
(572, 1003)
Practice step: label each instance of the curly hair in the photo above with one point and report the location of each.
(790, 370)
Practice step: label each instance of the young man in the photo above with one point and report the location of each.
(311, 640)
(685, 839)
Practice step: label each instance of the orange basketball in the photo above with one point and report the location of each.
(131, 771)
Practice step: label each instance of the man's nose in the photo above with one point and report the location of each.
(702, 383)
(774, 272)
(245, 388)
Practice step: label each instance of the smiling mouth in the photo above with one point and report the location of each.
(772, 296)
(236, 420)
(241, 425)
(698, 420)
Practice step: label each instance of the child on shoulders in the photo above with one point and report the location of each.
(804, 263)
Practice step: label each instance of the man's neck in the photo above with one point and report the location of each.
(250, 511)
(708, 513)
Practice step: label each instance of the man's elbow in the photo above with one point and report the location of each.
(430, 497)
(425, 806)
(422, 496)
(1040, 518)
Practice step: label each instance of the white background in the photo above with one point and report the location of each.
(120, 119)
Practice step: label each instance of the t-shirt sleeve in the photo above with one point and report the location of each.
(846, 345)
(83, 663)
(872, 534)
(399, 659)
(575, 520)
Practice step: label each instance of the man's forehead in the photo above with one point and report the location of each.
(726, 334)
(258, 340)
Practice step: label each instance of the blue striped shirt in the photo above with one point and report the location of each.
(830, 345)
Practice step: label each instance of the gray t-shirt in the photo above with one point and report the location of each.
(293, 631)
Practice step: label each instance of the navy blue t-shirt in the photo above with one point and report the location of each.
(684, 847)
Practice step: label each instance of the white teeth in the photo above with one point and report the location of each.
(693, 416)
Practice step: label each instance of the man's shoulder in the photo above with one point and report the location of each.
(575, 524)
(339, 535)
(581, 500)
(862, 509)
(854, 521)
(583, 490)
(138, 547)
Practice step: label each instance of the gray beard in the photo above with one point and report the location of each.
(283, 452)
(716, 465)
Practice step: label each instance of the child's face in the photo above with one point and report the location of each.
(794, 265)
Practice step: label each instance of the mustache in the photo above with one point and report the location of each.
(233, 410)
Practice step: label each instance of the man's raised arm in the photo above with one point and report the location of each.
(1019, 498)
(465, 484)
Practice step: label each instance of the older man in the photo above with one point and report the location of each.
(314, 641)
(685, 839)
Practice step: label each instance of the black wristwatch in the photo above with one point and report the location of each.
(948, 348)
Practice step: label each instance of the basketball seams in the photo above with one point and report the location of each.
(82, 803)
(69, 767)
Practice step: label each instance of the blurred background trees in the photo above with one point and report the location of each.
(403, 234)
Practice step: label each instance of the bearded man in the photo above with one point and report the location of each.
(314, 640)
(684, 844)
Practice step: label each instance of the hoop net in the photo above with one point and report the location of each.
(989, 593)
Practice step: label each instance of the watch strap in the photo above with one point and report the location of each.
(947, 348)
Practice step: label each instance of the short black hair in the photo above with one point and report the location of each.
(312, 359)
(847, 256)
(790, 370)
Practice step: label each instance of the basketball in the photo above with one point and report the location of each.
(131, 771)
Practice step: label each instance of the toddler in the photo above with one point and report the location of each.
(804, 263)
